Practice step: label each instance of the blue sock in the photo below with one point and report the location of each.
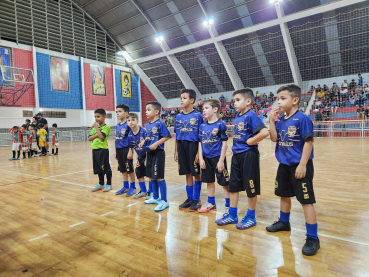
(197, 190)
(233, 211)
(150, 186)
(163, 190)
(155, 189)
(133, 185)
(284, 217)
(189, 190)
(312, 230)
(126, 184)
(250, 213)
(211, 200)
(142, 186)
(227, 203)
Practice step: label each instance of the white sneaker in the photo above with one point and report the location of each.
(162, 206)
(152, 201)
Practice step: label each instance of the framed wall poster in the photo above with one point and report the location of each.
(59, 74)
(6, 61)
(98, 80)
(126, 84)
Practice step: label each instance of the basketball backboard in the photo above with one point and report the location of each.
(11, 75)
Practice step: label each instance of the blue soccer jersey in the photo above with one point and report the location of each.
(121, 137)
(155, 131)
(292, 134)
(246, 126)
(135, 139)
(187, 126)
(211, 136)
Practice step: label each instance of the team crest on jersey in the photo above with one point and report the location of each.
(241, 126)
(291, 131)
(193, 121)
(154, 130)
(141, 139)
(215, 131)
(123, 131)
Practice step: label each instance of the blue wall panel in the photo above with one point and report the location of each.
(58, 99)
(134, 102)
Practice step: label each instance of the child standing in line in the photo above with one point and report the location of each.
(212, 154)
(16, 139)
(25, 141)
(33, 140)
(294, 151)
(41, 134)
(157, 135)
(100, 151)
(55, 142)
(249, 130)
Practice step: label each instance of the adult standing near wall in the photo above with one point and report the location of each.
(43, 120)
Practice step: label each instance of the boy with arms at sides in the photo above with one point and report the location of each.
(212, 152)
(135, 137)
(186, 128)
(249, 130)
(100, 151)
(41, 134)
(16, 142)
(157, 134)
(122, 150)
(55, 142)
(293, 133)
(25, 141)
(33, 140)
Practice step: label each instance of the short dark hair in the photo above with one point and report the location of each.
(55, 125)
(35, 117)
(124, 107)
(27, 120)
(24, 126)
(15, 127)
(247, 93)
(155, 104)
(32, 125)
(214, 103)
(293, 90)
(133, 115)
(100, 111)
(191, 93)
(40, 125)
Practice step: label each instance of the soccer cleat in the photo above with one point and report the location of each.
(122, 191)
(17, 159)
(208, 208)
(56, 154)
(152, 201)
(226, 211)
(311, 246)
(24, 158)
(107, 188)
(195, 205)
(98, 187)
(246, 223)
(279, 226)
(149, 195)
(12, 159)
(185, 205)
(140, 195)
(130, 192)
(228, 219)
(162, 206)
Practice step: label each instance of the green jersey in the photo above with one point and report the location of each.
(98, 143)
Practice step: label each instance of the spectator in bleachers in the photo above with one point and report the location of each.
(352, 84)
(366, 88)
(342, 102)
(320, 94)
(360, 102)
(334, 106)
(344, 92)
(257, 96)
(325, 88)
(318, 120)
(352, 99)
(360, 80)
(265, 96)
(331, 94)
(318, 104)
(359, 89)
(327, 114)
(199, 103)
(356, 98)
(318, 88)
(231, 106)
(221, 99)
(360, 113)
(335, 87)
(271, 95)
(366, 113)
(345, 84)
(312, 89)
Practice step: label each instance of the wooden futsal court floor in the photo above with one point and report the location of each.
(51, 224)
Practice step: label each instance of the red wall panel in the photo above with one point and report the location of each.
(146, 96)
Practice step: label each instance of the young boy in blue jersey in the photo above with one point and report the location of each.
(186, 154)
(125, 165)
(212, 154)
(135, 137)
(157, 135)
(293, 133)
(249, 130)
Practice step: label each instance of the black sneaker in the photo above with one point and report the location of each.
(279, 226)
(311, 246)
(185, 205)
(194, 206)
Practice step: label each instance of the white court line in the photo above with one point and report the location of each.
(132, 204)
(106, 214)
(267, 157)
(69, 173)
(74, 225)
(38, 237)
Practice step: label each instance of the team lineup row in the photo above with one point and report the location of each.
(200, 151)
